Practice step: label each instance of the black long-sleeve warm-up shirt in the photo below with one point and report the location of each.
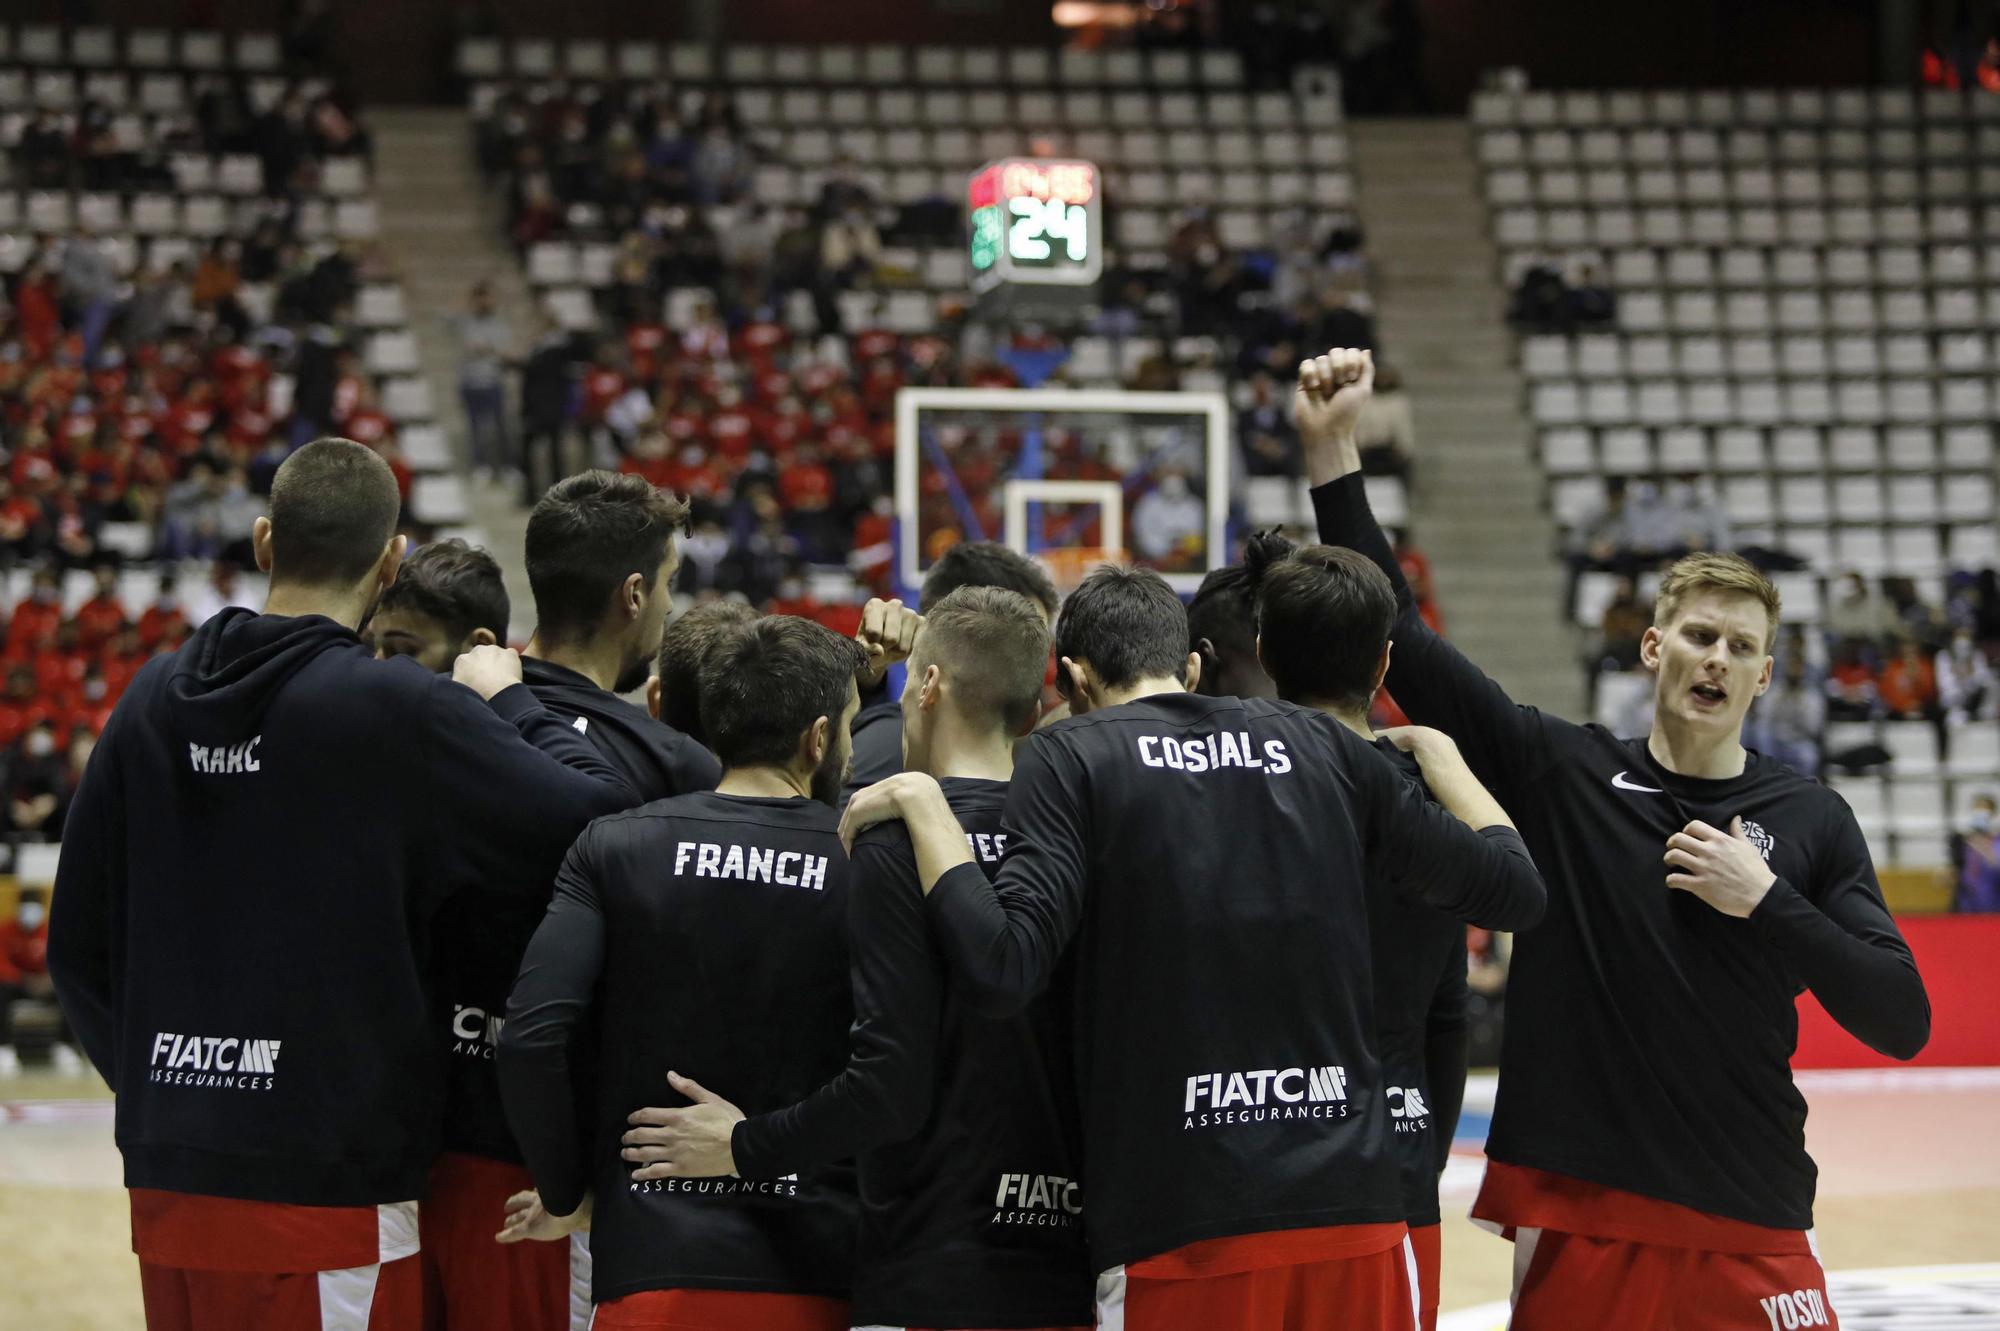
(1207, 861)
(1649, 1035)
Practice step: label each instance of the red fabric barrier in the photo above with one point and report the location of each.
(1957, 955)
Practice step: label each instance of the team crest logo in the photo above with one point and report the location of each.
(1755, 834)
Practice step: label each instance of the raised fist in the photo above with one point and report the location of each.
(1332, 390)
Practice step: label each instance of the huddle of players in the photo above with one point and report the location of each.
(1196, 950)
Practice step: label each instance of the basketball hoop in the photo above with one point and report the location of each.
(1069, 565)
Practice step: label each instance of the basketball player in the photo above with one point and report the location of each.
(704, 934)
(255, 852)
(1324, 616)
(447, 599)
(601, 558)
(1205, 857)
(1647, 1153)
(888, 629)
(674, 693)
(1222, 630)
(964, 1125)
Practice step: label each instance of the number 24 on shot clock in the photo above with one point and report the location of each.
(1036, 223)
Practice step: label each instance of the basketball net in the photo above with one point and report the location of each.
(1069, 565)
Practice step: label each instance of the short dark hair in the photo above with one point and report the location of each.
(1323, 615)
(1128, 623)
(588, 534)
(458, 585)
(683, 647)
(1224, 608)
(334, 506)
(764, 684)
(994, 644)
(988, 564)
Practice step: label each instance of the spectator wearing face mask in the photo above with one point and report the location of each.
(1965, 681)
(1166, 519)
(34, 784)
(24, 973)
(1976, 854)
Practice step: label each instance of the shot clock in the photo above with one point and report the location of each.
(1035, 227)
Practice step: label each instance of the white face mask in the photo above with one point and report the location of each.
(41, 744)
(31, 915)
(1981, 821)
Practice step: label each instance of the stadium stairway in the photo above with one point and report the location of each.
(442, 232)
(1477, 506)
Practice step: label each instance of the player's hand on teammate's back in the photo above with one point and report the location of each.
(683, 1143)
(882, 802)
(1420, 741)
(527, 1219)
(1722, 868)
(487, 669)
(888, 631)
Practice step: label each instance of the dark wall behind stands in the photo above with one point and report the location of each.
(399, 50)
(1618, 44)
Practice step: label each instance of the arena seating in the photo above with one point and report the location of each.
(1807, 288)
(149, 167)
(1168, 130)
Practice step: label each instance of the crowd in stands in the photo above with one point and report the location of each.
(730, 374)
(1550, 299)
(146, 405)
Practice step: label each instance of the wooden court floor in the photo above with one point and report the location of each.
(1909, 1176)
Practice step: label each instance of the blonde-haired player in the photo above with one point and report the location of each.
(1647, 1153)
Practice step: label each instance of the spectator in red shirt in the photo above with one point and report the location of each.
(37, 310)
(649, 458)
(24, 973)
(19, 517)
(36, 617)
(1908, 684)
(128, 653)
(99, 619)
(1417, 572)
(59, 669)
(22, 706)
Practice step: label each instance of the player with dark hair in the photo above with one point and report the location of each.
(601, 563)
(887, 630)
(601, 557)
(243, 909)
(674, 693)
(447, 599)
(1323, 617)
(964, 1126)
(1222, 626)
(703, 935)
(1203, 861)
(1647, 1153)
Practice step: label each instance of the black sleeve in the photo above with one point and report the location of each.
(512, 786)
(1484, 877)
(1504, 743)
(1841, 943)
(1003, 939)
(884, 1093)
(877, 737)
(1445, 1047)
(83, 916)
(537, 1060)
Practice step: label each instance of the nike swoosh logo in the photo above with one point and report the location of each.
(1622, 784)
